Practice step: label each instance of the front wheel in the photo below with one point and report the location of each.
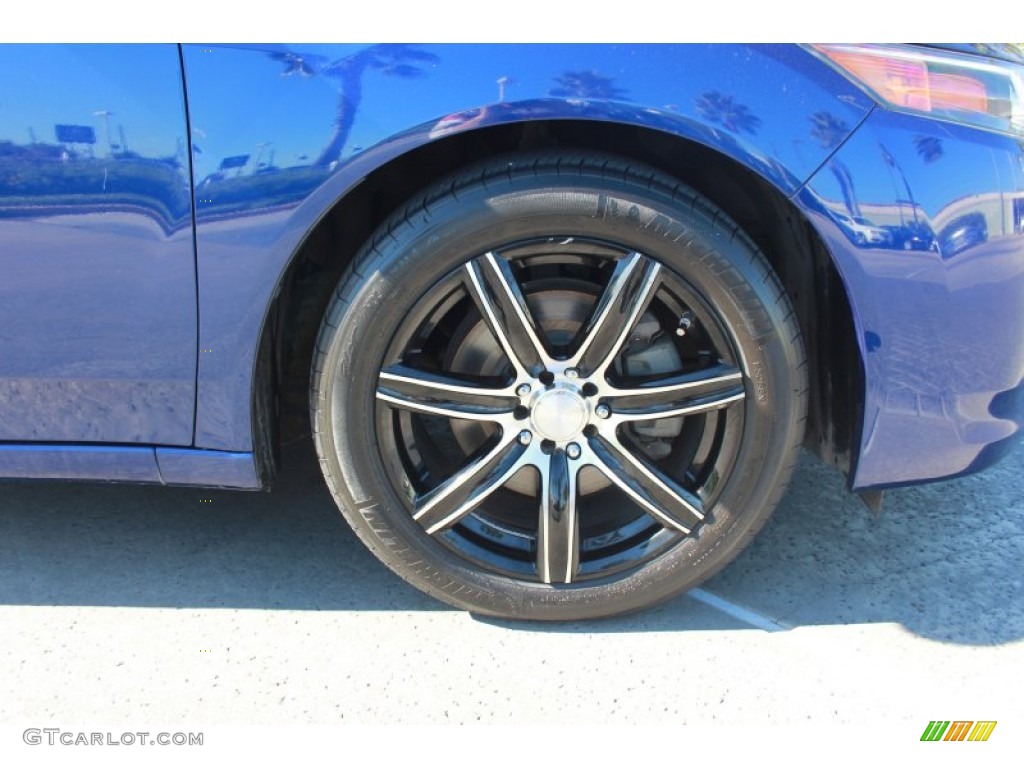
(558, 387)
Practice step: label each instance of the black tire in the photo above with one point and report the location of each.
(586, 245)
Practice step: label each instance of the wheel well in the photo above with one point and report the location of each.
(776, 226)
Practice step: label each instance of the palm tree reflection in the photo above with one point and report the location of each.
(928, 147)
(588, 84)
(392, 60)
(303, 65)
(724, 110)
(389, 59)
(829, 130)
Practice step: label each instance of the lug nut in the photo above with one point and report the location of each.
(523, 390)
(603, 411)
(573, 451)
(525, 437)
(572, 373)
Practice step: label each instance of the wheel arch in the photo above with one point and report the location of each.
(781, 231)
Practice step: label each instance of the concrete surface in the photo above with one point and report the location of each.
(136, 605)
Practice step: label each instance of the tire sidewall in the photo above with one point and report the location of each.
(410, 258)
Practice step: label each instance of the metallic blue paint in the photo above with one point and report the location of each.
(311, 122)
(132, 464)
(938, 303)
(99, 277)
(97, 268)
(183, 466)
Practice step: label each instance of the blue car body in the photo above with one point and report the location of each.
(157, 205)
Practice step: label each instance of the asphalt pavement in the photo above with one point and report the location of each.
(143, 604)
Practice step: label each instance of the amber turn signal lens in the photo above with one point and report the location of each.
(973, 90)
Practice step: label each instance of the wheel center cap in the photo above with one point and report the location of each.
(559, 415)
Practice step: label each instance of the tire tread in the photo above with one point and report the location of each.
(515, 172)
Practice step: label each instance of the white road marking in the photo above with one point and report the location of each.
(740, 612)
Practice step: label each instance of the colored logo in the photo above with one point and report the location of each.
(958, 730)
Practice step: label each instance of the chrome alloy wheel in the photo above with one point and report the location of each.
(595, 368)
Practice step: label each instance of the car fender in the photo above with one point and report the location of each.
(266, 119)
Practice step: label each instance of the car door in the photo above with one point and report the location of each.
(97, 264)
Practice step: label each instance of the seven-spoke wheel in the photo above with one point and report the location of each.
(529, 409)
(559, 414)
